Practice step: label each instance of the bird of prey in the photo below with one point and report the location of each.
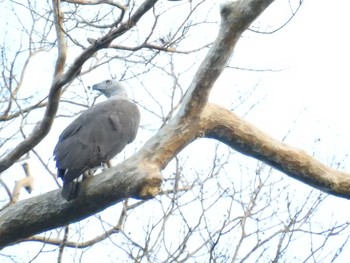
(96, 136)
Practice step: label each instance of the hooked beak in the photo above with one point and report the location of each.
(96, 87)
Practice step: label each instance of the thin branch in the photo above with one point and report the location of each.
(96, 2)
(150, 46)
(8, 191)
(72, 244)
(7, 117)
(281, 26)
(27, 182)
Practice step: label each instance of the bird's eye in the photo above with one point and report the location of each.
(109, 82)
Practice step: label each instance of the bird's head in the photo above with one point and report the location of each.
(110, 88)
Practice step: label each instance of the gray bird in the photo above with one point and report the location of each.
(96, 136)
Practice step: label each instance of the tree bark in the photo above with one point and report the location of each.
(225, 126)
(132, 178)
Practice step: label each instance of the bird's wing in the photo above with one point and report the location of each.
(97, 135)
(121, 124)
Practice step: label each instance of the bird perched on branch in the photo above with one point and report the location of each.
(96, 136)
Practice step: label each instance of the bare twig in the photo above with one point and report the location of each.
(96, 2)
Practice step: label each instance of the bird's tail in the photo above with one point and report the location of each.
(70, 190)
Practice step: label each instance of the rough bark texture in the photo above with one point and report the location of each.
(140, 177)
(225, 126)
(133, 178)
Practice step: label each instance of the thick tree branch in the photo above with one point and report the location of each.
(132, 178)
(235, 19)
(139, 176)
(225, 126)
(61, 41)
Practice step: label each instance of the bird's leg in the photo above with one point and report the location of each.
(109, 164)
(89, 173)
(106, 165)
